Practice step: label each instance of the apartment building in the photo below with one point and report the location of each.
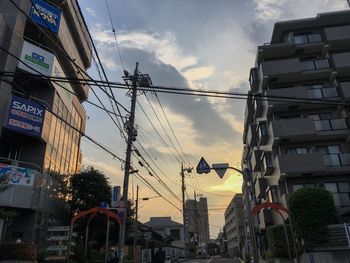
(39, 149)
(294, 143)
(197, 220)
(234, 226)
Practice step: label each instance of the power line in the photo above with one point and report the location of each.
(213, 94)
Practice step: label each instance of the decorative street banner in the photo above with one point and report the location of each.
(115, 196)
(45, 15)
(37, 58)
(25, 116)
(14, 175)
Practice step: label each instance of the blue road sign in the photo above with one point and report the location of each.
(203, 167)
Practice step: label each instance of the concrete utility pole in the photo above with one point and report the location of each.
(183, 188)
(129, 126)
(136, 223)
(134, 81)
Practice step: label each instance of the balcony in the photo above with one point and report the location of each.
(262, 133)
(338, 37)
(314, 163)
(254, 79)
(267, 164)
(252, 135)
(260, 187)
(293, 129)
(288, 70)
(308, 129)
(345, 90)
(256, 160)
(258, 106)
(341, 63)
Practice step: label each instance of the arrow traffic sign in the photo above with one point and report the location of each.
(203, 167)
(220, 168)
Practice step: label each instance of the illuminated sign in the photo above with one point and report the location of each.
(45, 15)
(25, 117)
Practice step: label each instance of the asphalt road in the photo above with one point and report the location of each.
(213, 260)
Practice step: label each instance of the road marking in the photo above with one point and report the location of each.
(210, 260)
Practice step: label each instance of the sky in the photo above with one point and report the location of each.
(198, 44)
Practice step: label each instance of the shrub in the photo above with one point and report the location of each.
(12, 251)
(277, 241)
(312, 209)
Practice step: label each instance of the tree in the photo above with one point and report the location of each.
(89, 188)
(312, 209)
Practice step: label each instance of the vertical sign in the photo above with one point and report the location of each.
(45, 15)
(25, 116)
(115, 196)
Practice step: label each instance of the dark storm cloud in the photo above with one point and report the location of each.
(209, 125)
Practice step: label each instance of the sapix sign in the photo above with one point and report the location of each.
(45, 15)
(25, 116)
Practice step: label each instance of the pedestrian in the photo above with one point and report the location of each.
(159, 257)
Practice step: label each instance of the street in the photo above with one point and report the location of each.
(214, 260)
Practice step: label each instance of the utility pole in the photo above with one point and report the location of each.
(136, 223)
(131, 80)
(183, 188)
(129, 126)
(196, 214)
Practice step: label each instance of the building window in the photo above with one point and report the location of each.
(308, 38)
(319, 91)
(329, 121)
(314, 63)
(297, 150)
(331, 154)
(175, 234)
(299, 186)
(340, 192)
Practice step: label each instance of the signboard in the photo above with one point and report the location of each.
(59, 229)
(37, 58)
(220, 169)
(14, 175)
(203, 167)
(45, 15)
(58, 238)
(56, 248)
(115, 196)
(46, 64)
(25, 116)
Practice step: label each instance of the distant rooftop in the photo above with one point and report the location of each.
(162, 222)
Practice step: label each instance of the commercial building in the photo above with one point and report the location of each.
(40, 120)
(301, 141)
(197, 220)
(234, 226)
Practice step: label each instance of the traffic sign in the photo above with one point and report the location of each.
(104, 204)
(203, 167)
(220, 168)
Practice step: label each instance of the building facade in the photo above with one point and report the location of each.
(234, 226)
(292, 138)
(41, 120)
(197, 220)
(169, 230)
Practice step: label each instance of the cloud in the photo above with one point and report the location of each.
(198, 73)
(267, 10)
(90, 11)
(233, 184)
(163, 46)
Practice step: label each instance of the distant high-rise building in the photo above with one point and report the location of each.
(234, 226)
(197, 219)
(298, 136)
(41, 121)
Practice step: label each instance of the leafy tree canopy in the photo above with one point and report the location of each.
(312, 209)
